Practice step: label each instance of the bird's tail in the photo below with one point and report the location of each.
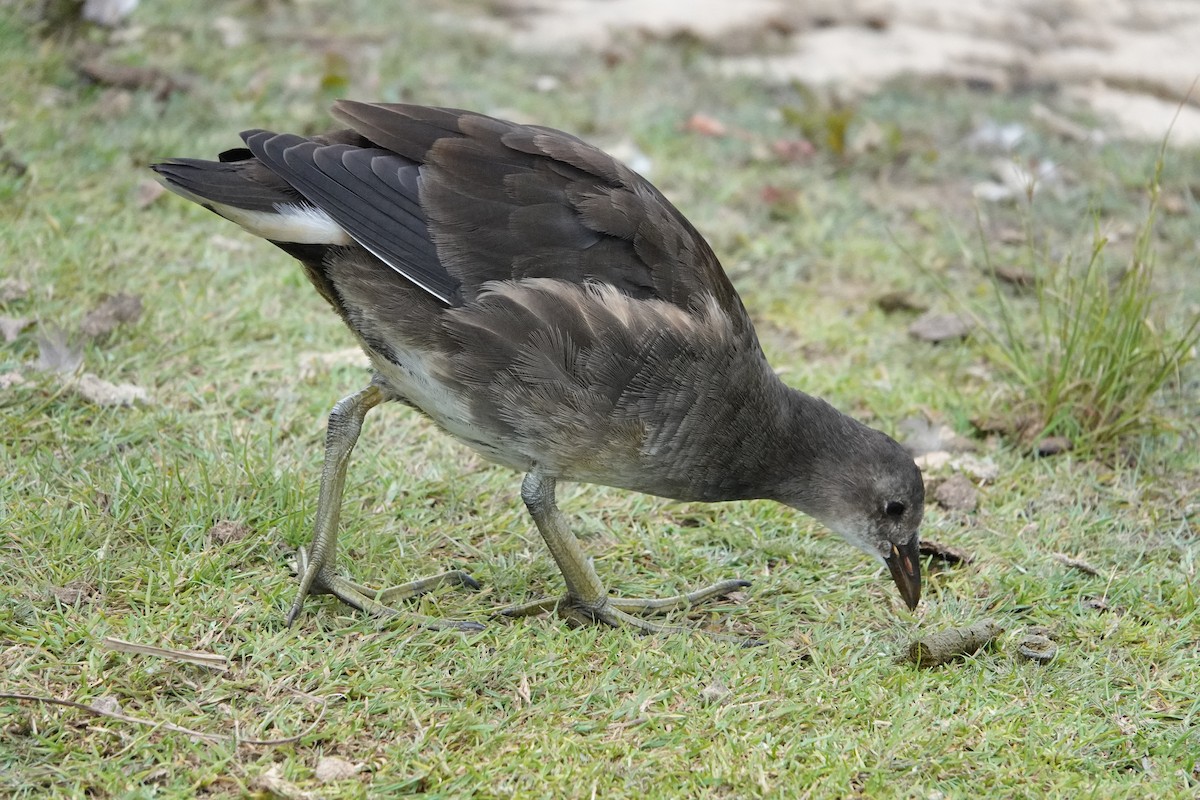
(240, 188)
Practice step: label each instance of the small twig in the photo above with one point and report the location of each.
(170, 726)
(1076, 563)
(197, 657)
(944, 552)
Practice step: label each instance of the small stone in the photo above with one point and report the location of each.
(1053, 445)
(106, 704)
(228, 531)
(957, 493)
(935, 327)
(332, 768)
(705, 125)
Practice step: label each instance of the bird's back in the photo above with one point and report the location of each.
(531, 294)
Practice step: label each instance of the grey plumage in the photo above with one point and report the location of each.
(550, 308)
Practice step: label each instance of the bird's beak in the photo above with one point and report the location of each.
(905, 565)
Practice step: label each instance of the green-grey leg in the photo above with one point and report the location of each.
(586, 599)
(316, 564)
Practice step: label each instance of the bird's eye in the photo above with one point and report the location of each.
(894, 509)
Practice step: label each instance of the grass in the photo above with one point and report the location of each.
(1091, 365)
(107, 512)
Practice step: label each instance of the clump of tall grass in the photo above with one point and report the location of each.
(1090, 363)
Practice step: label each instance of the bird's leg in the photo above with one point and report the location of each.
(316, 563)
(586, 599)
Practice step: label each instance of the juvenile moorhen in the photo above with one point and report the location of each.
(547, 306)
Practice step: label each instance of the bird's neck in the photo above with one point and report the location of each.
(771, 434)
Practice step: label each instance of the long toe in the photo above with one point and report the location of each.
(663, 605)
(631, 612)
(382, 603)
(407, 591)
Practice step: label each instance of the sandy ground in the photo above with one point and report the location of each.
(1133, 62)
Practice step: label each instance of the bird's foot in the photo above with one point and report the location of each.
(380, 602)
(629, 612)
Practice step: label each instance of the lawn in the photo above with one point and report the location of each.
(170, 522)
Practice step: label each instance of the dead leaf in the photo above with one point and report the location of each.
(112, 311)
(936, 327)
(102, 393)
(793, 149)
(11, 327)
(774, 196)
(944, 552)
(1017, 276)
(147, 192)
(228, 531)
(12, 289)
(1021, 426)
(704, 125)
(56, 352)
(74, 593)
(957, 493)
(332, 768)
(134, 78)
(275, 785)
(892, 302)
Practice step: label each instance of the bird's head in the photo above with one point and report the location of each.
(868, 490)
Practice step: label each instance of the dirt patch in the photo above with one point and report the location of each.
(1132, 63)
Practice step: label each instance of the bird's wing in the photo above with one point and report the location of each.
(371, 193)
(505, 201)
